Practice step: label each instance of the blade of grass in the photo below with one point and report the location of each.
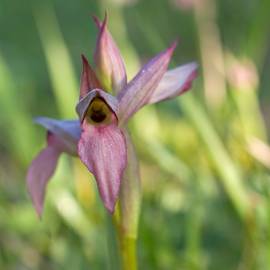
(256, 44)
(18, 126)
(60, 68)
(229, 174)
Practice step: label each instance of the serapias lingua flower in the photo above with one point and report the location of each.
(107, 102)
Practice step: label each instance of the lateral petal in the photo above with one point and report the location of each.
(110, 65)
(138, 91)
(41, 170)
(103, 150)
(174, 82)
(68, 131)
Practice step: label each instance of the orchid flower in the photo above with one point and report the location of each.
(107, 102)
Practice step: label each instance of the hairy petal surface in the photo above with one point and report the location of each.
(68, 131)
(174, 83)
(138, 91)
(110, 65)
(41, 170)
(103, 150)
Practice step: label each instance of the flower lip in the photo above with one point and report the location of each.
(102, 148)
(105, 99)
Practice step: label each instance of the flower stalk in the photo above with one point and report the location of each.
(114, 252)
(128, 252)
(122, 248)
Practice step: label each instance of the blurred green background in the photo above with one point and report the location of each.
(204, 156)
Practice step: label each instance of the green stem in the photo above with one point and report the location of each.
(113, 245)
(121, 247)
(128, 253)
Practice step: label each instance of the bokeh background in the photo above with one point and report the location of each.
(204, 157)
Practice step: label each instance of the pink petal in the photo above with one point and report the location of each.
(103, 150)
(138, 92)
(84, 103)
(174, 82)
(89, 80)
(110, 65)
(63, 136)
(41, 169)
(68, 132)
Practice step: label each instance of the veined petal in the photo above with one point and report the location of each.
(84, 103)
(89, 80)
(138, 91)
(102, 149)
(174, 83)
(41, 170)
(68, 131)
(110, 66)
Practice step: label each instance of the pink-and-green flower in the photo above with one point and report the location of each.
(107, 102)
